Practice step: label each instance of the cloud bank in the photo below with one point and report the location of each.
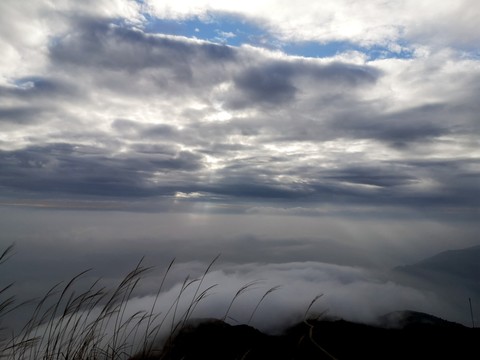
(115, 112)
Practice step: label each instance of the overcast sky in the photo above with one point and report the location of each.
(273, 132)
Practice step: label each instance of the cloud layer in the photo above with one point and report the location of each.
(116, 112)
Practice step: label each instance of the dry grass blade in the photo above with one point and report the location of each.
(5, 304)
(6, 254)
(195, 300)
(55, 324)
(151, 318)
(185, 285)
(239, 292)
(97, 324)
(269, 291)
(311, 304)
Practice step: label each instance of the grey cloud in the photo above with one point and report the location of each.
(271, 83)
(155, 170)
(278, 82)
(456, 180)
(346, 74)
(164, 149)
(68, 169)
(396, 183)
(37, 99)
(121, 60)
(333, 121)
(125, 126)
(381, 183)
(43, 92)
(20, 114)
(251, 189)
(159, 131)
(398, 129)
(137, 130)
(382, 176)
(102, 44)
(287, 100)
(37, 86)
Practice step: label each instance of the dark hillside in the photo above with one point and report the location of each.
(414, 336)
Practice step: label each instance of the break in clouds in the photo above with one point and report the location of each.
(117, 141)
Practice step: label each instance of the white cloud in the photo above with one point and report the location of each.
(350, 293)
(23, 39)
(274, 297)
(363, 22)
(29, 27)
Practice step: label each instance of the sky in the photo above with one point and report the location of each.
(317, 142)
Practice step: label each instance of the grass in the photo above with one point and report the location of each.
(77, 322)
(67, 324)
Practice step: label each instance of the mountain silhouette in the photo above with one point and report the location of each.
(397, 335)
(453, 276)
(463, 263)
(403, 335)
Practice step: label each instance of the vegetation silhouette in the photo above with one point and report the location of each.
(94, 324)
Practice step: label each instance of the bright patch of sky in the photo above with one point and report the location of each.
(236, 31)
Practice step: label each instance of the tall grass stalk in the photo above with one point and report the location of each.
(268, 292)
(314, 300)
(240, 291)
(97, 323)
(93, 324)
(148, 341)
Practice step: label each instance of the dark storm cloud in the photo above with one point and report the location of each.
(270, 83)
(67, 169)
(277, 82)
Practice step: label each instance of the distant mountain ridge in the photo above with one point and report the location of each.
(463, 263)
(408, 319)
(453, 276)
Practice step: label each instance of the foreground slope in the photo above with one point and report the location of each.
(402, 335)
